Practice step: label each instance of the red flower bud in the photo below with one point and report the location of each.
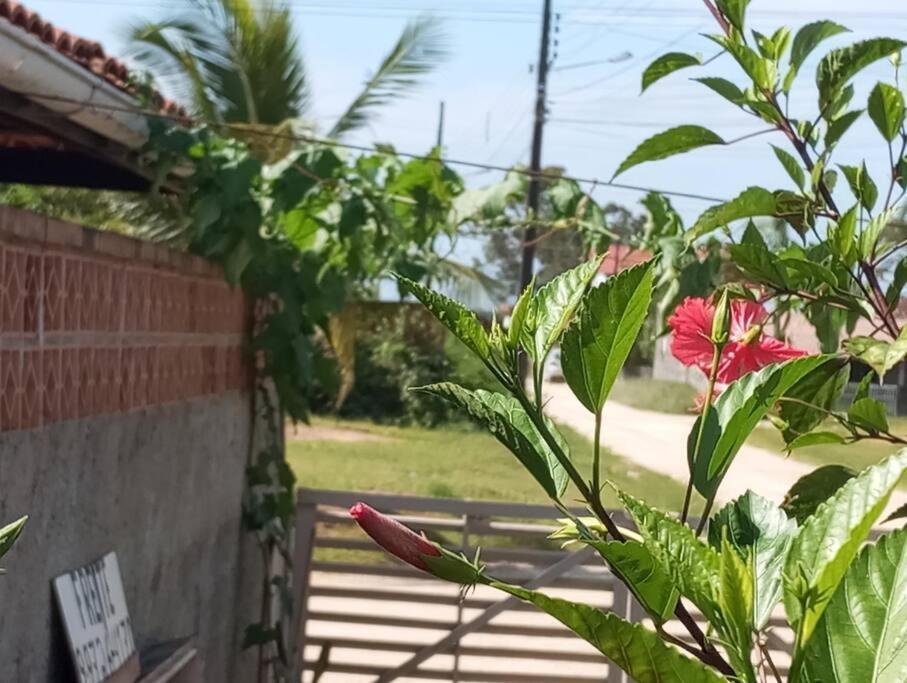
(395, 538)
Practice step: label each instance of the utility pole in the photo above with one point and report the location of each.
(441, 124)
(535, 163)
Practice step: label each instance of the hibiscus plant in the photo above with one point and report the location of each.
(842, 593)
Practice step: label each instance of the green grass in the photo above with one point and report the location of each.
(455, 463)
(654, 394)
(856, 456)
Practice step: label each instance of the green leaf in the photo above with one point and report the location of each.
(760, 263)
(861, 184)
(9, 534)
(736, 597)
(762, 534)
(725, 88)
(633, 562)
(791, 165)
(238, 260)
(830, 539)
(842, 237)
(506, 420)
(879, 354)
(693, 566)
(734, 11)
(736, 414)
(862, 635)
(863, 387)
(813, 489)
(809, 37)
(552, 308)
(821, 389)
(886, 109)
(519, 315)
(815, 439)
(763, 72)
(841, 124)
(898, 282)
(638, 651)
(462, 322)
(839, 66)
(754, 201)
(666, 65)
(598, 342)
(869, 414)
(674, 141)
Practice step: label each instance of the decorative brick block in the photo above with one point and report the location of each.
(32, 389)
(12, 291)
(10, 390)
(55, 298)
(52, 367)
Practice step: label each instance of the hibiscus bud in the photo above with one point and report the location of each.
(720, 322)
(414, 549)
(395, 538)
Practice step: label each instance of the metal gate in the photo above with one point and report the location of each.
(366, 617)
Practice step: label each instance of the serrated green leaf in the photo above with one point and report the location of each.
(839, 66)
(791, 166)
(633, 648)
(462, 322)
(736, 414)
(736, 596)
(861, 184)
(666, 65)
(829, 540)
(693, 566)
(734, 11)
(813, 489)
(868, 414)
(754, 201)
(760, 263)
(862, 390)
(815, 439)
(863, 633)
(898, 282)
(552, 308)
(841, 124)
(643, 575)
(842, 237)
(518, 317)
(669, 143)
(810, 399)
(505, 419)
(598, 342)
(723, 87)
(886, 109)
(808, 38)
(10, 533)
(762, 534)
(879, 354)
(762, 71)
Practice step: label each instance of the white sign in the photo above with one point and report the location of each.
(93, 605)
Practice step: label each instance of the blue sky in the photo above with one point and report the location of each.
(596, 114)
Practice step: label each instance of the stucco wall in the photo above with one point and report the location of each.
(124, 426)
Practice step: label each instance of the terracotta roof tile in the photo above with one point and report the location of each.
(86, 53)
(620, 257)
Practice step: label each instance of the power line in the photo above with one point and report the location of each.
(371, 147)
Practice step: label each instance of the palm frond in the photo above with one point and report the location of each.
(238, 60)
(419, 50)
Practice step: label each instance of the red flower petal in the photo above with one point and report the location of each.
(691, 325)
(395, 538)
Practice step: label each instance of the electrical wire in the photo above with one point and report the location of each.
(371, 147)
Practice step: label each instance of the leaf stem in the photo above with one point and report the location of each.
(706, 407)
(596, 455)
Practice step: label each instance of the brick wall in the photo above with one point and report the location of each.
(93, 323)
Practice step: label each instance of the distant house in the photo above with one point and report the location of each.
(70, 114)
(619, 258)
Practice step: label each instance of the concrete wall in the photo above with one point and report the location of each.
(124, 426)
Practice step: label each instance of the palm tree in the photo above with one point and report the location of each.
(239, 61)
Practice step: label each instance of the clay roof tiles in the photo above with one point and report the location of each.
(87, 53)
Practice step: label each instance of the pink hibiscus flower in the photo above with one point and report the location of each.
(748, 348)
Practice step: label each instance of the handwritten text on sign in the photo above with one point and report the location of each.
(97, 624)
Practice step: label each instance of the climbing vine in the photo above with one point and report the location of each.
(302, 236)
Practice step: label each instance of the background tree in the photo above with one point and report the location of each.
(239, 61)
